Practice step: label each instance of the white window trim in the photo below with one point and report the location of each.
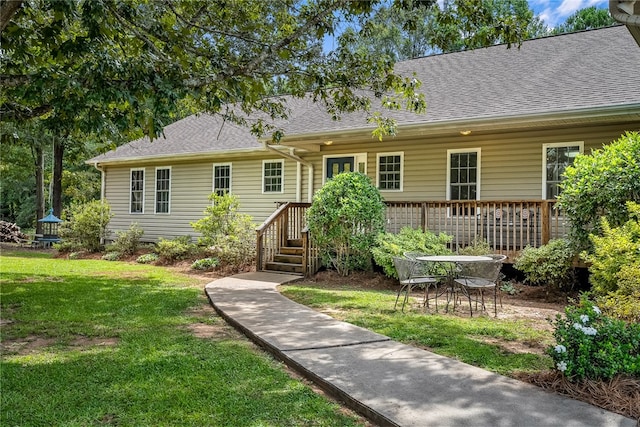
(397, 153)
(155, 191)
(213, 176)
(144, 184)
(264, 162)
(357, 159)
(544, 160)
(478, 172)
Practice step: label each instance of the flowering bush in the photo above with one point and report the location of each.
(592, 345)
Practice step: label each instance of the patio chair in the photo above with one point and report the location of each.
(479, 276)
(426, 269)
(409, 279)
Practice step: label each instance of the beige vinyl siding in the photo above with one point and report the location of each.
(511, 167)
(191, 185)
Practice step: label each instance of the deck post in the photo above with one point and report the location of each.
(545, 219)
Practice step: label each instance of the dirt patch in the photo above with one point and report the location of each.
(35, 344)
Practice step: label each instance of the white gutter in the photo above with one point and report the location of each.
(299, 160)
(627, 12)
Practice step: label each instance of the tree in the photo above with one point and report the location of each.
(425, 28)
(600, 184)
(585, 19)
(107, 67)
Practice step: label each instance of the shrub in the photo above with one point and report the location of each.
(549, 265)
(171, 250)
(344, 219)
(599, 185)
(127, 242)
(617, 247)
(112, 256)
(205, 264)
(591, 345)
(86, 227)
(478, 246)
(615, 267)
(388, 245)
(228, 235)
(147, 259)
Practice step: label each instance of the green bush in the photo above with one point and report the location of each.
(478, 246)
(147, 258)
(594, 346)
(205, 264)
(616, 248)
(171, 250)
(86, 227)
(127, 242)
(112, 256)
(227, 234)
(389, 245)
(344, 219)
(615, 267)
(599, 185)
(549, 265)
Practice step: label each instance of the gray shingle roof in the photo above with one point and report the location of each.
(579, 71)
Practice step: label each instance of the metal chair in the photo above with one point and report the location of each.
(407, 269)
(479, 276)
(427, 269)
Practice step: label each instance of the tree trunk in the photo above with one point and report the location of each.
(58, 154)
(39, 173)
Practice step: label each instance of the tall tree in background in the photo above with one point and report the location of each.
(426, 28)
(585, 19)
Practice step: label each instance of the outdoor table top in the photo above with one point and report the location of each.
(454, 258)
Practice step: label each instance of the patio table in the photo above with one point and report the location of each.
(450, 265)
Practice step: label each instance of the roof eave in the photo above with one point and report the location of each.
(627, 13)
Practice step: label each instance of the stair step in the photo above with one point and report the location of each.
(291, 250)
(295, 242)
(284, 266)
(288, 258)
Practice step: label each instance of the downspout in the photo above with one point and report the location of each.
(295, 158)
(102, 181)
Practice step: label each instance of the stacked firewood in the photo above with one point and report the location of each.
(10, 232)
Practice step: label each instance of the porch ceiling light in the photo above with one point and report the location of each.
(328, 142)
(465, 132)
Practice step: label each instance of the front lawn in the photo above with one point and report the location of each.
(91, 342)
(482, 341)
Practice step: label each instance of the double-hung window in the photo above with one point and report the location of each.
(136, 195)
(463, 180)
(555, 159)
(163, 189)
(222, 178)
(390, 171)
(272, 176)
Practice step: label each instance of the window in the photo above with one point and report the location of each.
(136, 198)
(222, 179)
(390, 171)
(463, 181)
(555, 159)
(163, 189)
(272, 173)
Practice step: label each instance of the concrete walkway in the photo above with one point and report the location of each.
(388, 382)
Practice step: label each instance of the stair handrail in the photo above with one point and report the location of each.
(263, 228)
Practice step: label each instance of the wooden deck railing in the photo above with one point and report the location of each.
(508, 226)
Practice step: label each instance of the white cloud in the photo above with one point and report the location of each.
(554, 12)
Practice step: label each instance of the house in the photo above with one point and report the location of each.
(485, 160)
(628, 13)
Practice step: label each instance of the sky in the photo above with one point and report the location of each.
(554, 12)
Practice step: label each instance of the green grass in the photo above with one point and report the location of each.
(139, 365)
(462, 338)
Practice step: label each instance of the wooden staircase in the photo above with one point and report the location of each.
(288, 259)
